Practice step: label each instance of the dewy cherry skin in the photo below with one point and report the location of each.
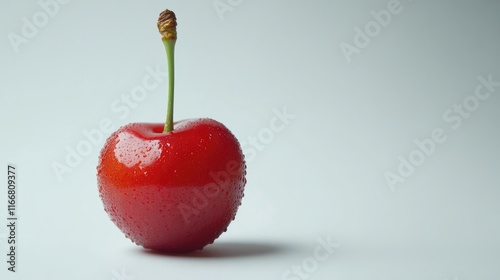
(172, 187)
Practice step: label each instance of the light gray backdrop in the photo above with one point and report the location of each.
(370, 129)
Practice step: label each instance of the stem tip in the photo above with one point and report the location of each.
(167, 23)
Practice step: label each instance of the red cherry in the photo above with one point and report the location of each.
(172, 187)
(175, 191)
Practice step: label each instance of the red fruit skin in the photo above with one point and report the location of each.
(173, 192)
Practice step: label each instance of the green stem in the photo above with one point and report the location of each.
(169, 48)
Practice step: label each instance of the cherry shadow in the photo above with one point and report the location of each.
(228, 249)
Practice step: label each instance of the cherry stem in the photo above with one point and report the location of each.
(169, 48)
(167, 26)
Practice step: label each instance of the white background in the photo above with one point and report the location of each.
(321, 177)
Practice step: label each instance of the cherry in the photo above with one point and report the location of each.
(172, 187)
